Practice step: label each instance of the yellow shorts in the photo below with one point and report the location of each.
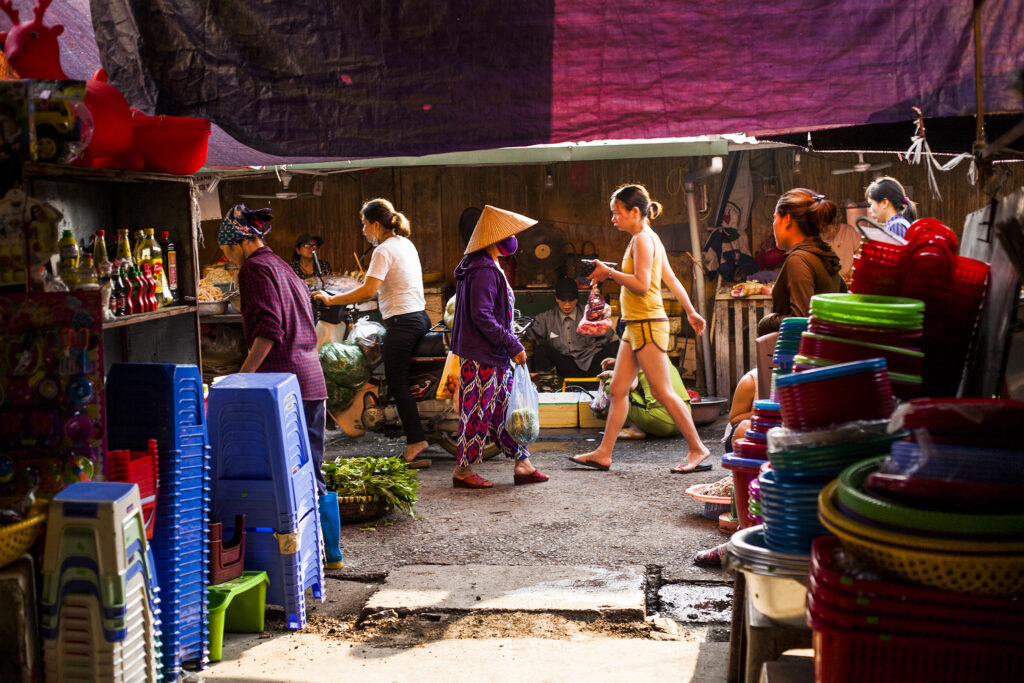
(641, 332)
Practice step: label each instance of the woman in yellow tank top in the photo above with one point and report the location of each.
(644, 268)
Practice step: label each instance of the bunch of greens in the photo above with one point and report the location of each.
(388, 478)
(345, 370)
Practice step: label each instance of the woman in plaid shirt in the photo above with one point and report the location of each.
(277, 318)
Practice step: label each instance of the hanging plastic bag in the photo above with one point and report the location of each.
(449, 377)
(599, 404)
(522, 418)
(369, 335)
(597, 318)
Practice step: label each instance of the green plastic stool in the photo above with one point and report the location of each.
(236, 606)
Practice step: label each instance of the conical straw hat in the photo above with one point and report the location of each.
(495, 225)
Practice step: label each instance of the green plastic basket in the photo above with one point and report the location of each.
(869, 310)
(852, 495)
(838, 454)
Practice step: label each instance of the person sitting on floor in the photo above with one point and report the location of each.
(559, 344)
(646, 416)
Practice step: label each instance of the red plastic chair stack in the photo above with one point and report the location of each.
(138, 467)
(952, 288)
(227, 558)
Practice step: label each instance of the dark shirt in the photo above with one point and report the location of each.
(482, 327)
(309, 278)
(559, 331)
(276, 306)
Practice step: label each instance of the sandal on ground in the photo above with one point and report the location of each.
(534, 477)
(627, 433)
(418, 463)
(710, 558)
(684, 468)
(473, 481)
(588, 463)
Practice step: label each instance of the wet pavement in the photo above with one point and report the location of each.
(636, 514)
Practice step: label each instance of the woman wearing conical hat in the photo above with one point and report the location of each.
(483, 339)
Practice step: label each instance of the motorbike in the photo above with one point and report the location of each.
(374, 410)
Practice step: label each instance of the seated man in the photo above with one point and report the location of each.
(560, 345)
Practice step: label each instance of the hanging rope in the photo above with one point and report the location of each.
(919, 148)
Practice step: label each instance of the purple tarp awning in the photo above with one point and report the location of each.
(339, 79)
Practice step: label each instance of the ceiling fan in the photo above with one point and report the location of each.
(286, 179)
(862, 166)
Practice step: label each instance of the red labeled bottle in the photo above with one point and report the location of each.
(138, 290)
(151, 286)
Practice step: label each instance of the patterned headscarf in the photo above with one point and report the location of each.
(242, 223)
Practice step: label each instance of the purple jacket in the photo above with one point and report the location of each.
(482, 329)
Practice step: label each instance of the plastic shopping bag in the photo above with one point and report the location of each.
(522, 418)
(449, 377)
(599, 404)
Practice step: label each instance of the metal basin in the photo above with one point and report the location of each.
(707, 409)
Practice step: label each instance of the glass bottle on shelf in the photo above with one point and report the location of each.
(124, 248)
(129, 291)
(85, 276)
(99, 255)
(141, 252)
(69, 254)
(156, 264)
(170, 266)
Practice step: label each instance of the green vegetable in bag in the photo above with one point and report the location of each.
(523, 425)
(344, 364)
(339, 398)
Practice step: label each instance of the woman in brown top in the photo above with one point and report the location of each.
(811, 267)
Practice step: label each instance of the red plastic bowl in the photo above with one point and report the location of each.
(754, 450)
(172, 144)
(815, 399)
(910, 339)
(841, 350)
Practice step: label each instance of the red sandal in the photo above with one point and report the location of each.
(534, 477)
(473, 481)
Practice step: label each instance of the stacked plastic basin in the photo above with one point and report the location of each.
(99, 602)
(868, 629)
(165, 402)
(262, 468)
(951, 287)
(749, 453)
(852, 327)
(787, 346)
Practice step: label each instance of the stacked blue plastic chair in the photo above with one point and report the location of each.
(262, 467)
(99, 605)
(165, 402)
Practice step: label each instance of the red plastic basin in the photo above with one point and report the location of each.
(172, 144)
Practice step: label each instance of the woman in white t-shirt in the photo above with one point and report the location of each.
(395, 276)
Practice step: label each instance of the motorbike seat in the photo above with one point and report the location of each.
(431, 346)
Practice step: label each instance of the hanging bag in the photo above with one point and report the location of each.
(522, 418)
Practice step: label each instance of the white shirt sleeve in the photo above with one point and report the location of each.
(380, 263)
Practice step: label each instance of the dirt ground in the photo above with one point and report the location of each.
(636, 514)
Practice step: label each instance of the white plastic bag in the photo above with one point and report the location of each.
(369, 335)
(522, 418)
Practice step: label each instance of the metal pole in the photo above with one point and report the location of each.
(691, 210)
(979, 104)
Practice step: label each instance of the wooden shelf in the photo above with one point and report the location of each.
(222, 318)
(169, 312)
(41, 170)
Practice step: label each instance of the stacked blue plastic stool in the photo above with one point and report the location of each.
(99, 608)
(165, 402)
(262, 467)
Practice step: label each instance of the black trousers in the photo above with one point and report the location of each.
(404, 333)
(545, 357)
(316, 421)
